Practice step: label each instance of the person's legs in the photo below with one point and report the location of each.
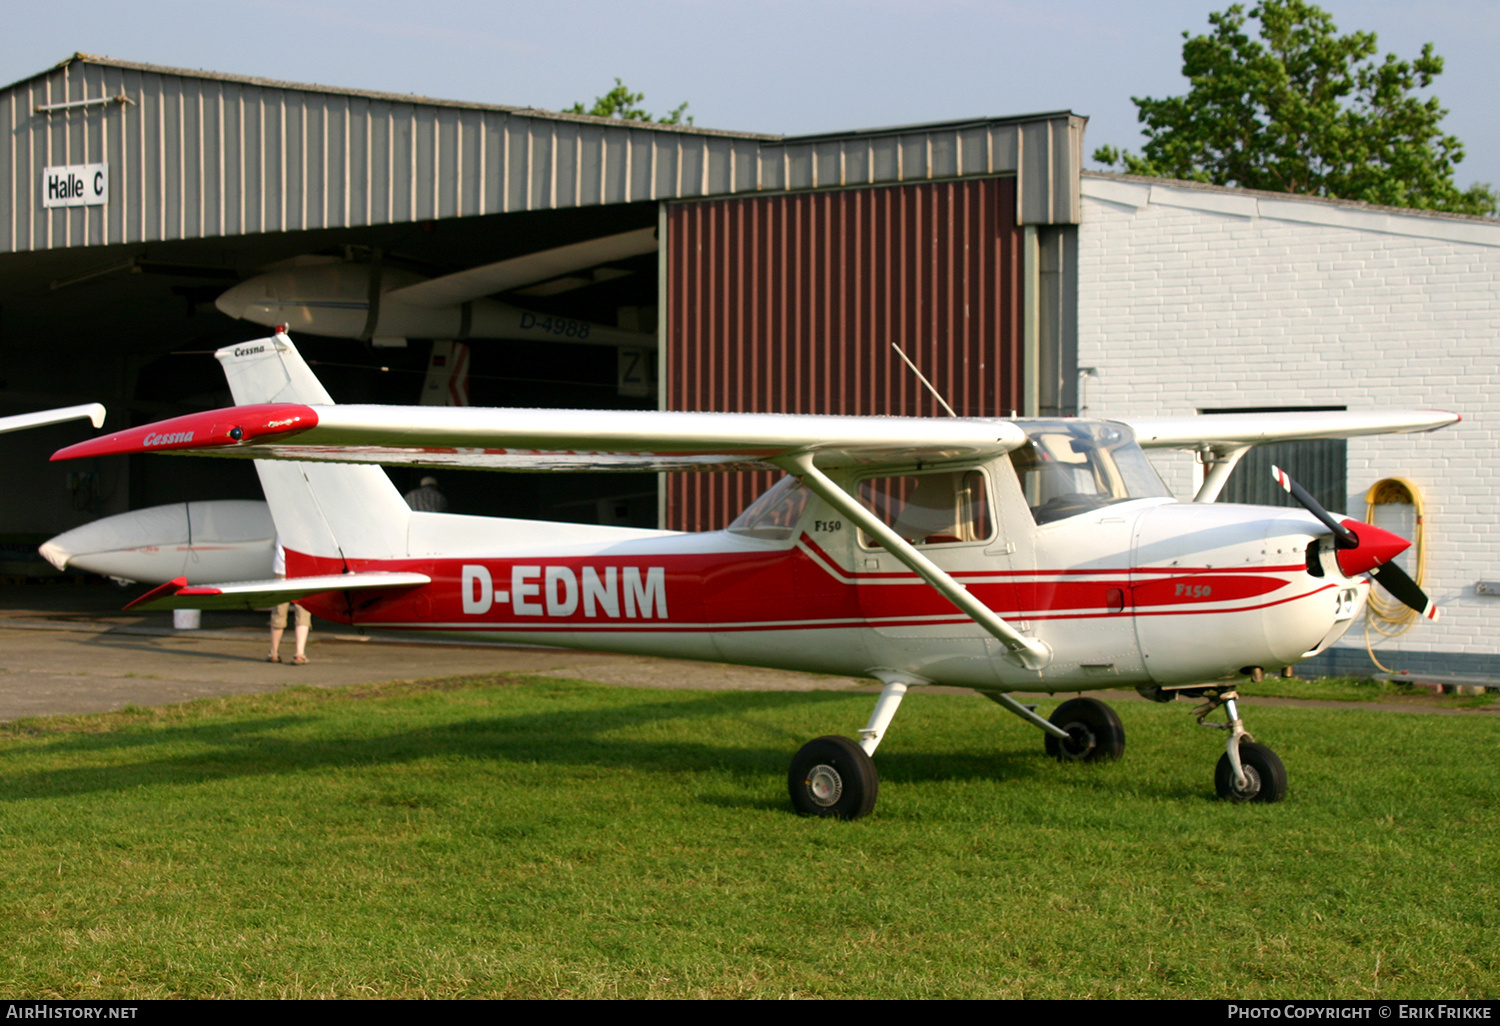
(278, 628)
(301, 625)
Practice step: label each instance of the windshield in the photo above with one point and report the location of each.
(775, 514)
(1073, 466)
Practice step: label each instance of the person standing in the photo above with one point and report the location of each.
(427, 498)
(301, 621)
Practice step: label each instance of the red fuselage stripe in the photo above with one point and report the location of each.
(798, 588)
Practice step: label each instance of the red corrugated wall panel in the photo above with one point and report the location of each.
(789, 304)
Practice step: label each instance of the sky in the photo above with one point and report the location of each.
(787, 67)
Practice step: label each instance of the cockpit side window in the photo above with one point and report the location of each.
(930, 509)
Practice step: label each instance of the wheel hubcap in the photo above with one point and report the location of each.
(824, 785)
(1252, 783)
(1080, 741)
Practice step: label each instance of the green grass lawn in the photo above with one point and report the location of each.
(513, 837)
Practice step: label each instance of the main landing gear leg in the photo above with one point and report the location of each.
(1247, 771)
(1081, 729)
(834, 776)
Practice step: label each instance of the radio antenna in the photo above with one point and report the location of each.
(923, 379)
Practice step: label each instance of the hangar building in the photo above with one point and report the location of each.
(929, 237)
(784, 269)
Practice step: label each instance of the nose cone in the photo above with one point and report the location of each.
(124, 546)
(1377, 547)
(55, 553)
(92, 548)
(237, 301)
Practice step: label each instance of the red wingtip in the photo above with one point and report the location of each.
(214, 429)
(160, 591)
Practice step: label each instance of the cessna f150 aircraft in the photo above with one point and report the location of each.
(1000, 555)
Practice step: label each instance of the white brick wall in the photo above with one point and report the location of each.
(1200, 298)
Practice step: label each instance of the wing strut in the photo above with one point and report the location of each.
(1029, 652)
(1220, 463)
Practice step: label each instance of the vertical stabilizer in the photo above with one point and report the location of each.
(328, 510)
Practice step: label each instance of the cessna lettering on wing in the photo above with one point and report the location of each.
(611, 592)
(171, 439)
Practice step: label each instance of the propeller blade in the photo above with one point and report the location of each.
(1343, 537)
(1404, 590)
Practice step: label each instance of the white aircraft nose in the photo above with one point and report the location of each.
(57, 555)
(238, 299)
(83, 542)
(93, 548)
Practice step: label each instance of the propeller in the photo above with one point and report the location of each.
(1364, 549)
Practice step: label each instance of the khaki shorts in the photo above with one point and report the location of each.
(302, 618)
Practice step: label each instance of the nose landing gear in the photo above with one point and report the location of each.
(1247, 771)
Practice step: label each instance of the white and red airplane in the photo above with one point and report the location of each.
(996, 554)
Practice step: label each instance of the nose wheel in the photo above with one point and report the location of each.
(1265, 776)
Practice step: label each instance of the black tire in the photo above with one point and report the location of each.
(833, 776)
(1096, 731)
(1263, 771)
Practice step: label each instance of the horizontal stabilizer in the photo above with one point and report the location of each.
(178, 594)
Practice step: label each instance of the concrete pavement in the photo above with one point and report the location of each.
(67, 649)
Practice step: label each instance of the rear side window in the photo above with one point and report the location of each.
(930, 509)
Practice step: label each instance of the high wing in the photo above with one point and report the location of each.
(1231, 430)
(505, 275)
(1222, 438)
(519, 439)
(93, 411)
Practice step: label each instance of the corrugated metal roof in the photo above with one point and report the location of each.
(196, 154)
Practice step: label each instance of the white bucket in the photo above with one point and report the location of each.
(187, 619)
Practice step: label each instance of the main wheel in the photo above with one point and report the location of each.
(832, 776)
(1265, 776)
(1094, 731)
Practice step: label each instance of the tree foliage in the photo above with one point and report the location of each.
(1302, 109)
(621, 103)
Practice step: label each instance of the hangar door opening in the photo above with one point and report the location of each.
(792, 303)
